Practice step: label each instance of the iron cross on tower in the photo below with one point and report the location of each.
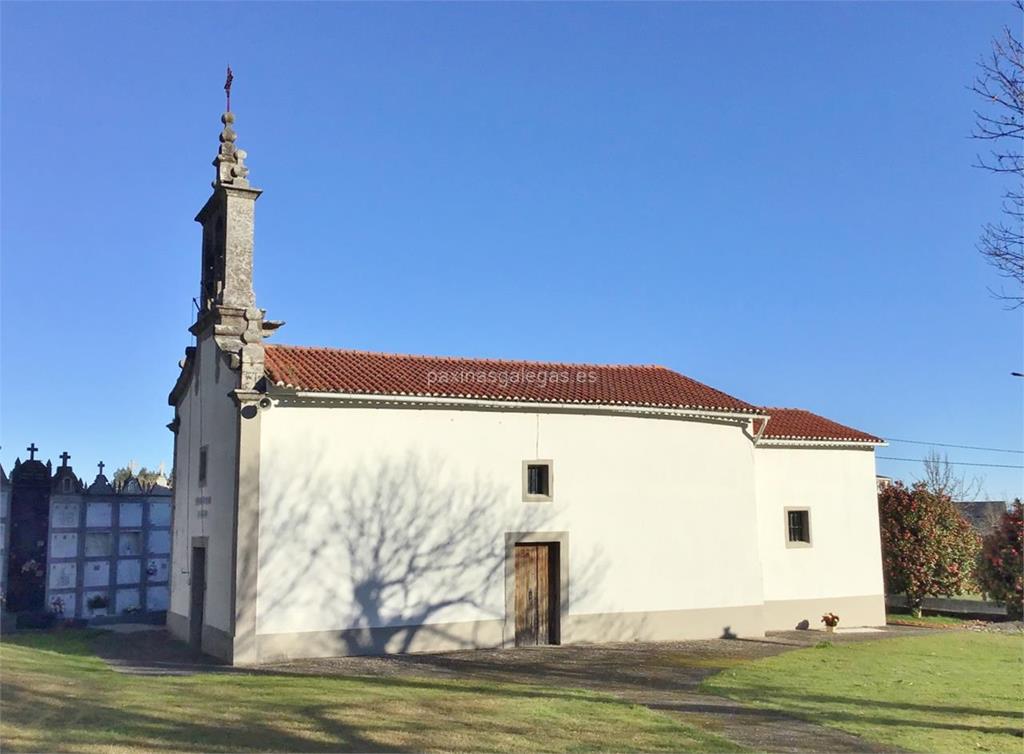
(64, 457)
(32, 451)
(101, 465)
(227, 87)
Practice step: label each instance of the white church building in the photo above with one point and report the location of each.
(330, 501)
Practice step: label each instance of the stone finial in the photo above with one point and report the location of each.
(230, 160)
(161, 483)
(100, 485)
(131, 486)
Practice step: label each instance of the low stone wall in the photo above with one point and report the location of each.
(958, 607)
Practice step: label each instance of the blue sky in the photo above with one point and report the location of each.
(776, 199)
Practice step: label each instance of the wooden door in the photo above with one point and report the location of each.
(198, 597)
(536, 573)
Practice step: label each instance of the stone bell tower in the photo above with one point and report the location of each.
(227, 303)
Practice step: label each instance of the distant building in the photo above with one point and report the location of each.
(83, 551)
(983, 515)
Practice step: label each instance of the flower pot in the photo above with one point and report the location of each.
(830, 629)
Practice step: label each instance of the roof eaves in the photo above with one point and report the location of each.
(302, 392)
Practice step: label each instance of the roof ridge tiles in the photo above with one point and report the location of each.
(803, 424)
(477, 359)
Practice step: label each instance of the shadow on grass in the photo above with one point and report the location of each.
(831, 715)
(116, 649)
(530, 682)
(121, 725)
(263, 711)
(940, 710)
(75, 642)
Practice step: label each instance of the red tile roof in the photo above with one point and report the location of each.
(329, 370)
(798, 424)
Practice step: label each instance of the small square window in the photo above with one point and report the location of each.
(798, 527)
(538, 481)
(202, 465)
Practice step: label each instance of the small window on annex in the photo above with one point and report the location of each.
(538, 481)
(798, 527)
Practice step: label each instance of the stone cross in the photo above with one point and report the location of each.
(101, 465)
(32, 451)
(65, 457)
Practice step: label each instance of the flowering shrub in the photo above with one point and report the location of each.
(928, 549)
(57, 606)
(1000, 564)
(830, 619)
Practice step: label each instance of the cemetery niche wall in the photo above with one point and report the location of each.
(83, 551)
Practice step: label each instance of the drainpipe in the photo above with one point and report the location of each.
(764, 424)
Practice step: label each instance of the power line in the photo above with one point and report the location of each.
(956, 463)
(951, 445)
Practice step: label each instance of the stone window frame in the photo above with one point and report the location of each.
(797, 543)
(529, 497)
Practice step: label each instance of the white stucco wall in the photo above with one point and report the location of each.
(208, 417)
(838, 486)
(375, 516)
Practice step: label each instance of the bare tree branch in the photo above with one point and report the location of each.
(941, 478)
(1000, 83)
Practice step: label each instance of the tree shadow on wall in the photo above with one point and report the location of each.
(391, 555)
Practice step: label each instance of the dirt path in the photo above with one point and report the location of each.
(663, 676)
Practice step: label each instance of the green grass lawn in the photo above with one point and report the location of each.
(933, 621)
(973, 597)
(949, 692)
(56, 695)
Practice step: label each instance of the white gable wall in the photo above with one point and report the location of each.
(208, 417)
(844, 559)
(659, 515)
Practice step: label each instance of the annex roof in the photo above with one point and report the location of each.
(799, 424)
